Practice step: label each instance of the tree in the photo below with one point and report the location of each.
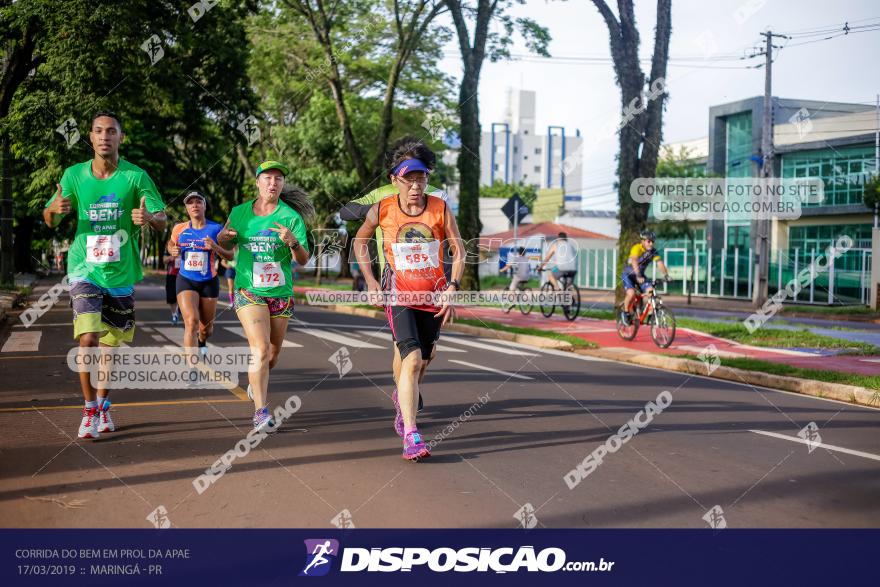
(301, 107)
(678, 164)
(871, 195)
(180, 112)
(333, 28)
(474, 49)
(641, 136)
(528, 193)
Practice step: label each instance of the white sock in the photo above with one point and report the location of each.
(91, 405)
(101, 401)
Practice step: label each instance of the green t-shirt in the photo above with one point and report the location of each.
(262, 261)
(105, 249)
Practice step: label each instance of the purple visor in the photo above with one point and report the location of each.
(410, 165)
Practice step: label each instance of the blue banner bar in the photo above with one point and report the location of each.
(437, 557)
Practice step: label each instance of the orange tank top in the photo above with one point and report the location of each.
(413, 247)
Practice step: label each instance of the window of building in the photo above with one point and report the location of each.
(515, 149)
(697, 240)
(807, 238)
(537, 169)
(525, 157)
(739, 145)
(496, 167)
(738, 237)
(537, 150)
(844, 172)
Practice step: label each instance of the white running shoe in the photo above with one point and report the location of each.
(105, 422)
(250, 392)
(89, 426)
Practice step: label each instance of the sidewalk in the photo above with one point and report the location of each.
(604, 334)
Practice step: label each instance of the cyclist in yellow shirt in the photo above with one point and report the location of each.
(640, 256)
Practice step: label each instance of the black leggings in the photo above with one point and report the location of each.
(413, 330)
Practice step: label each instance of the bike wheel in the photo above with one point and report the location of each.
(626, 332)
(525, 304)
(572, 310)
(663, 327)
(547, 307)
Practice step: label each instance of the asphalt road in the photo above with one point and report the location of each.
(717, 444)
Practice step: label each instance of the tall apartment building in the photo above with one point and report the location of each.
(512, 151)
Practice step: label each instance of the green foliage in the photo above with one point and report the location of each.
(179, 115)
(301, 115)
(871, 195)
(499, 189)
(676, 164)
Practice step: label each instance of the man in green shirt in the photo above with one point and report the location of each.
(110, 197)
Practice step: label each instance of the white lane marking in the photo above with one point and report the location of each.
(173, 334)
(789, 352)
(158, 337)
(387, 336)
(240, 332)
(489, 347)
(848, 451)
(338, 338)
(484, 368)
(22, 342)
(870, 360)
(140, 323)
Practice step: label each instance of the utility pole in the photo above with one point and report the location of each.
(762, 238)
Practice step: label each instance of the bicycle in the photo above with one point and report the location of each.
(660, 318)
(571, 310)
(524, 297)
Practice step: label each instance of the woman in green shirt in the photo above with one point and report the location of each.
(270, 233)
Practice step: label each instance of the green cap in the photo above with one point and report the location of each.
(266, 165)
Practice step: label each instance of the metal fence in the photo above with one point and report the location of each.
(842, 278)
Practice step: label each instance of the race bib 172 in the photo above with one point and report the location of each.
(268, 274)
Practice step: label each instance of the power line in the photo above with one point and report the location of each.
(829, 28)
(839, 24)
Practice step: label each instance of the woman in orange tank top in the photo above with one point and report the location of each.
(414, 229)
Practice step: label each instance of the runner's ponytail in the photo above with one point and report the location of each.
(298, 199)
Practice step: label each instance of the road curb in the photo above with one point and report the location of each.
(847, 393)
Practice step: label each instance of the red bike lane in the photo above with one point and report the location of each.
(687, 341)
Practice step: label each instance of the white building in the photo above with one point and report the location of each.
(511, 151)
(603, 222)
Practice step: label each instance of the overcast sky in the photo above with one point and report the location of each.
(583, 95)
